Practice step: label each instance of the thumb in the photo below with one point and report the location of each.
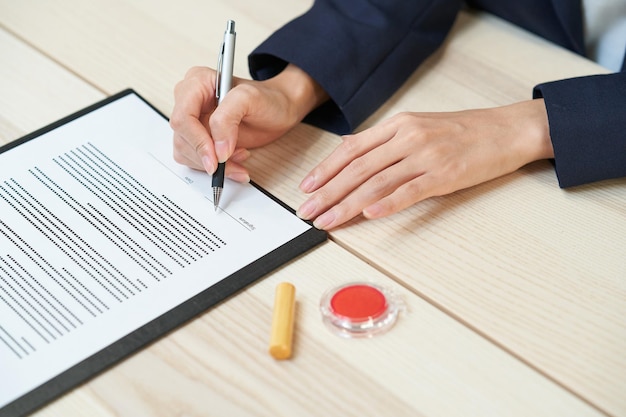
(224, 124)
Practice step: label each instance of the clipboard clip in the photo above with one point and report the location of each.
(218, 77)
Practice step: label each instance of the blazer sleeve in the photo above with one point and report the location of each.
(587, 117)
(360, 52)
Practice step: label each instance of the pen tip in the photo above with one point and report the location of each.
(217, 193)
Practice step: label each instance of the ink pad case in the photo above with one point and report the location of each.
(359, 309)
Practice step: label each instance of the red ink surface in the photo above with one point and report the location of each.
(359, 302)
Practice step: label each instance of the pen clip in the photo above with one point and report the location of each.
(220, 63)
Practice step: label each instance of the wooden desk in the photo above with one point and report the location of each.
(515, 289)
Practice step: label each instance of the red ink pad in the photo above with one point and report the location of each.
(359, 309)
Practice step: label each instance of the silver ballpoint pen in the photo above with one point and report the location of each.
(223, 84)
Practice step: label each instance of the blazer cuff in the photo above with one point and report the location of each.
(328, 116)
(587, 125)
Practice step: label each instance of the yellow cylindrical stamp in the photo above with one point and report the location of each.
(283, 321)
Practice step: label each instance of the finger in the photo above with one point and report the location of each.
(352, 147)
(406, 195)
(194, 99)
(192, 162)
(191, 159)
(236, 172)
(240, 155)
(184, 154)
(225, 120)
(377, 188)
(357, 173)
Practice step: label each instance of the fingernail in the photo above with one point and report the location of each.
(239, 177)
(240, 155)
(307, 184)
(208, 164)
(306, 209)
(374, 211)
(221, 150)
(325, 220)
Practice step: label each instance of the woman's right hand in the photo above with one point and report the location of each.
(252, 114)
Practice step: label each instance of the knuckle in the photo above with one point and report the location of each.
(177, 145)
(414, 190)
(200, 148)
(379, 183)
(403, 118)
(178, 87)
(196, 71)
(179, 158)
(246, 88)
(350, 146)
(177, 121)
(387, 206)
(345, 210)
(411, 125)
(219, 118)
(402, 198)
(216, 119)
(324, 197)
(357, 168)
(245, 92)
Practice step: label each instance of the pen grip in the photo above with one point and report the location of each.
(218, 176)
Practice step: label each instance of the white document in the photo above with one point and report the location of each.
(101, 232)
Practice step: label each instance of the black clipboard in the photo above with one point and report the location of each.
(159, 326)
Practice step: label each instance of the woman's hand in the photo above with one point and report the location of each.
(414, 156)
(252, 114)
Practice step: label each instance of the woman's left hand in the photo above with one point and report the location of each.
(414, 156)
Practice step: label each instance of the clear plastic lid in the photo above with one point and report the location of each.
(359, 309)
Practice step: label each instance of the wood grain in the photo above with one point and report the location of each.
(533, 273)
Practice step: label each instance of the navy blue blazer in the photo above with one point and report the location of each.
(361, 52)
